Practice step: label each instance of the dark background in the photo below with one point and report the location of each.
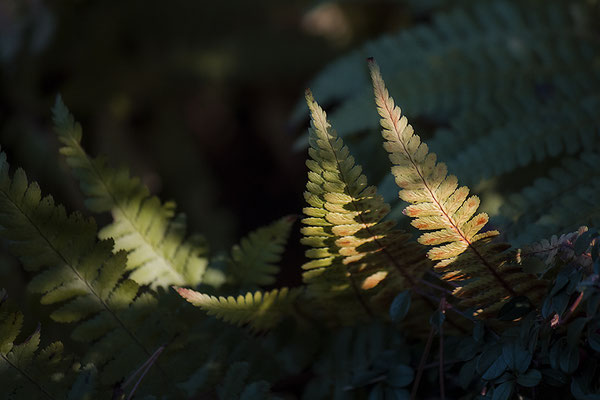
(194, 96)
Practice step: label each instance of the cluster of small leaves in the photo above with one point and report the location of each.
(559, 346)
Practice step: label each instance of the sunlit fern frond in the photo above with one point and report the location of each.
(354, 252)
(260, 310)
(437, 204)
(159, 252)
(254, 260)
(28, 372)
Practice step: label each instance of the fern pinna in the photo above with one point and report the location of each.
(159, 253)
(356, 254)
(437, 204)
(253, 263)
(254, 260)
(28, 372)
(85, 279)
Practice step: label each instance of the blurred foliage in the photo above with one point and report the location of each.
(195, 97)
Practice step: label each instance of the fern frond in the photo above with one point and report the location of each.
(437, 204)
(28, 372)
(253, 261)
(261, 310)
(491, 52)
(159, 253)
(572, 209)
(81, 276)
(526, 214)
(353, 249)
(528, 134)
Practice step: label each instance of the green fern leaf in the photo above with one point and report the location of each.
(437, 204)
(253, 261)
(355, 253)
(261, 310)
(569, 190)
(80, 276)
(159, 253)
(27, 372)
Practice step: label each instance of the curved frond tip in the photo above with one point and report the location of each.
(254, 260)
(160, 254)
(356, 254)
(260, 310)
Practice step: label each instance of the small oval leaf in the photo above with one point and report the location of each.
(400, 306)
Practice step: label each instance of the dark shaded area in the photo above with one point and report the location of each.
(193, 96)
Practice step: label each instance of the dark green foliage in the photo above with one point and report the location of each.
(26, 371)
(507, 95)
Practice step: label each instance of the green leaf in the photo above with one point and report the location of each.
(254, 260)
(160, 254)
(400, 306)
(569, 360)
(468, 349)
(503, 391)
(261, 310)
(516, 356)
(529, 379)
(495, 370)
(488, 357)
(467, 373)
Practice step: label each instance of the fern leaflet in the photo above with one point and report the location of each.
(26, 372)
(159, 254)
(82, 274)
(439, 205)
(261, 310)
(253, 260)
(353, 249)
